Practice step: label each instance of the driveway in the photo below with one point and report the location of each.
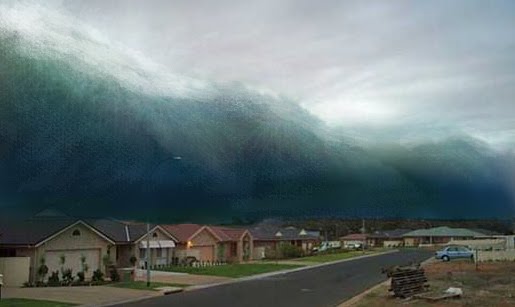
(327, 285)
(95, 295)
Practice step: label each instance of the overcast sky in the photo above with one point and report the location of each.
(400, 65)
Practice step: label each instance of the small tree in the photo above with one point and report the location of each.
(62, 261)
(43, 269)
(133, 260)
(221, 252)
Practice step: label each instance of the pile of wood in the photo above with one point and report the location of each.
(407, 281)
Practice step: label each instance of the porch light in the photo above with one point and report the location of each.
(189, 244)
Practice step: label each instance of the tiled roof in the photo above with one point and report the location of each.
(229, 234)
(182, 232)
(284, 233)
(443, 232)
(397, 233)
(35, 230)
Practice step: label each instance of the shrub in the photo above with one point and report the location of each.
(113, 273)
(290, 251)
(133, 260)
(67, 276)
(53, 280)
(97, 275)
(43, 269)
(81, 276)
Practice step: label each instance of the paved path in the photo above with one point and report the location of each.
(95, 295)
(322, 286)
(180, 278)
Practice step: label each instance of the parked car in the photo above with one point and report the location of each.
(328, 245)
(354, 245)
(454, 252)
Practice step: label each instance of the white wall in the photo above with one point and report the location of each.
(506, 255)
(15, 270)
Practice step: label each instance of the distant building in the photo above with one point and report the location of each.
(438, 235)
(354, 239)
(387, 238)
(268, 238)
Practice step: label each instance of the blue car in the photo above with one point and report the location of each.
(454, 252)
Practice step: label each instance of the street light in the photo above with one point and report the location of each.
(147, 253)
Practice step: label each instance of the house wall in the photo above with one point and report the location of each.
(410, 242)
(89, 243)
(416, 241)
(203, 246)
(15, 271)
(158, 256)
(124, 252)
(393, 243)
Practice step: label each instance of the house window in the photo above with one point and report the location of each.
(142, 253)
(234, 248)
(159, 252)
(76, 233)
(154, 235)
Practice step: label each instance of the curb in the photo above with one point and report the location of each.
(264, 275)
(355, 299)
(132, 300)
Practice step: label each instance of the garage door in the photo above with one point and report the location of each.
(207, 253)
(72, 260)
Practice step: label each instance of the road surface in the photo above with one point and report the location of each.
(323, 286)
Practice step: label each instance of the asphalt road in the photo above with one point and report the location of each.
(323, 286)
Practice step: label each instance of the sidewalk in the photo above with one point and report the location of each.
(94, 295)
(180, 278)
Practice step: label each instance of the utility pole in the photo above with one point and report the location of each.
(364, 238)
(147, 254)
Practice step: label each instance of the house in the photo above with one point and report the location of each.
(211, 243)
(387, 238)
(438, 235)
(267, 239)
(354, 239)
(72, 241)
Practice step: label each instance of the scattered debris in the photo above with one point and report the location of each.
(407, 281)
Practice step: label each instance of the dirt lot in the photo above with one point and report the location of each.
(493, 284)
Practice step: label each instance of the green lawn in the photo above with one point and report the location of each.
(142, 285)
(21, 302)
(334, 256)
(234, 270)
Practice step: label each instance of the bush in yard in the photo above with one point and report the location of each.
(133, 260)
(290, 251)
(67, 276)
(81, 276)
(43, 269)
(53, 280)
(97, 276)
(113, 273)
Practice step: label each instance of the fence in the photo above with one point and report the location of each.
(504, 255)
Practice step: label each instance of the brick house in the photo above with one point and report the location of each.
(211, 243)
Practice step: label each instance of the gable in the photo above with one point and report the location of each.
(204, 237)
(76, 236)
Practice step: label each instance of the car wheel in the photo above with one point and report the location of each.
(446, 258)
